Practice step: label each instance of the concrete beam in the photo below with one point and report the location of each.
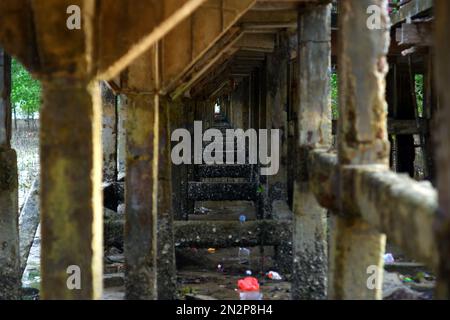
(225, 234)
(411, 10)
(411, 210)
(224, 171)
(215, 234)
(117, 23)
(199, 44)
(35, 29)
(204, 191)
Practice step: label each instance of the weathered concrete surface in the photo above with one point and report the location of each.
(214, 234)
(71, 212)
(179, 118)
(411, 205)
(221, 234)
(314, 130)
(215, 191)
(324, 178)
(141, 185)
(310, 247)
(277, 66)
(122, 103)
(9, 231)
(141, 197)
(443, 154)
(28, 28)
(166, 266)
(283, 256)
(362, 71)
(400, 207)
(109, 133)
(28, 223)
(349, 263)
(224, 171)
(362, 140)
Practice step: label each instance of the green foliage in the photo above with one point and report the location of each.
(395, 5)
(334, 95)
(419, 93)
(25, 91)
(260, 189)
(419, 84)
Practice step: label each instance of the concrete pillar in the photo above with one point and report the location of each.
(179, 118)
(362, 140)
(354, 247)
(71, 198)
(188, 206)
(149, 249)
(109, 133)
(122, 109)
(9, 229)
(277, 89)
(166, 275)
(246, 104)
(256, 98)
(141, 196)
(262, 98)
(442, 81)
(313, 131)
(211, 111)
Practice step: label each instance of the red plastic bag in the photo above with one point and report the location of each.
(248, 284)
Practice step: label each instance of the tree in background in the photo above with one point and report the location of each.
(25, 93)
(334, 95)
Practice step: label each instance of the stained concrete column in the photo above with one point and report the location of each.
(442, 80)
(182, 116)
(109, 133)
(179, 118)
(166, 270)
(9, 230)
(141, 196)
(122, 109)
(246, 104)
(211, 112)
(277, 90)
(71, 212)
(355, 247)
(188, 206)
(313, 131)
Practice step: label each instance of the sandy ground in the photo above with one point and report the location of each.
(25, 140)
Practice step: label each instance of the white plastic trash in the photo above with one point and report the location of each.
(389, 258)
(274, 275)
